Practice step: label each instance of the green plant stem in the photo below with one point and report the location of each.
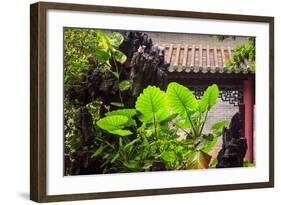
(154, 125)
(205, 119)
(192, 125)
(118, 80)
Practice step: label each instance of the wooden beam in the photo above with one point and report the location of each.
(222, 57)
(208, 57)
(192, 56)
(177, 55)
(216, 57)
(185, 54)
(200, 57)
(170, 53)
(229, 52)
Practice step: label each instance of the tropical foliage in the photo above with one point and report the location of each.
(131, 139)
(83, 50)
(155, 121)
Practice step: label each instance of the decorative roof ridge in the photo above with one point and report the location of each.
(198, 58)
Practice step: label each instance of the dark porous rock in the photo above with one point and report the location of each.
(85, 123)
(234, 145)
(148, 68)
(145, 66)
(158, 165)
(83, 164)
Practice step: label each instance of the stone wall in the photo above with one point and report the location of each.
(221, 111)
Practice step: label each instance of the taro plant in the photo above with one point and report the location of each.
(152, 109)
(149, 132)
(192, 118)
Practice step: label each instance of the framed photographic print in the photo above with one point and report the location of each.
(135, 102)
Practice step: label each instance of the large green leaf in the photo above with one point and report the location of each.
(168, 118)
(152, 105)
(183, 124)
(129, 113)
(121, 132)
(209, 98)
(198, 160)
(114, 124)
(168, 156)
(124, 112)
(181, 99)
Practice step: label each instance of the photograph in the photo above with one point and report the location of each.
(142, 101)
(131, 102)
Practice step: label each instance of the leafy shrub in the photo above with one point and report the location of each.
(155, 121)
(243, 55)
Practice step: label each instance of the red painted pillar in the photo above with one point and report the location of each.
(249, 116)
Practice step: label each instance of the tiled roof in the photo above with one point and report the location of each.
(198, 58)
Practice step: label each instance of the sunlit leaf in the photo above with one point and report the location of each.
(120, 132)
(209, 98)
(168, 156)
(183, 124)
(114, 124)
(181, 99)
(152, 104)
(198, 160)
(125, 112)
